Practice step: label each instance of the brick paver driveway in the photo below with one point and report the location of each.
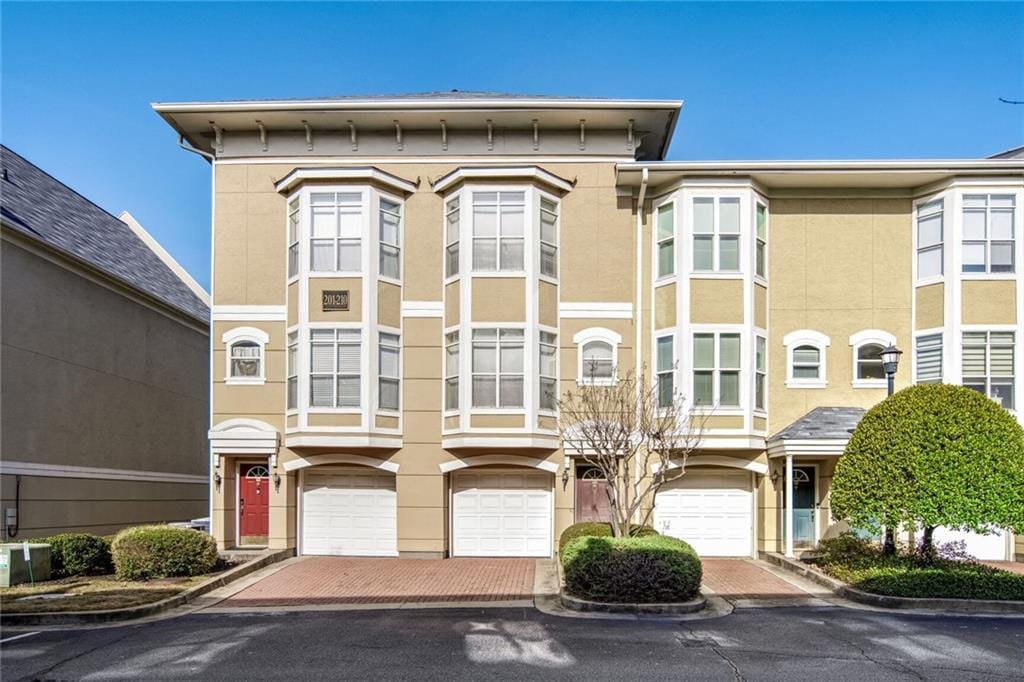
(345, 580)
(1011, 566)
(744, 579)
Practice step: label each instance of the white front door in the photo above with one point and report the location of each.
(502, 514)
(986, 547)
(349, 512)
(712, 511)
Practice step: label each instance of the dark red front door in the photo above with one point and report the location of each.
(592, 496)
(253, 504)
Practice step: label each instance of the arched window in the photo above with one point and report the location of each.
(245, 349)
(867, 348)
(806, 359)
(598, 356)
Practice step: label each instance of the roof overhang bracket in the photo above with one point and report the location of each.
(583, 134)
(398, 135)
(218, 137)
(263, 134)
(353, 138)
(444, 136)
(309, 135)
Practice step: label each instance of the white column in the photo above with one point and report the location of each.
(789, 505)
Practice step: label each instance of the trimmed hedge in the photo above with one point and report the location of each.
(635, 570)
(78, 554)
(598, 529)
(146, 552)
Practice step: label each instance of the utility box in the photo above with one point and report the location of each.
(14, 569)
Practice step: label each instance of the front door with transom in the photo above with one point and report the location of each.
(253, 504)
(804, 494)
(592, 503)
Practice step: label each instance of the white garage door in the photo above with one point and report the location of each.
(987, 547)
(710, 510)
(349, 512)
(501, 514)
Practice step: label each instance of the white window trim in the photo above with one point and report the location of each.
(287, 373)
(716, 370)
(459, 199)
(656, 261)
(763, 410)
(379, 245)
(716, 233)
(454, 411)
(1014, 236)
(529, 226)
(989, 329)
(251, 334)
(761, 201)
(544, 196)
(558, 340)
(863, 338)
(942, 197)
(674, 371)
(807, 337)
(367, 235)
(497, 373)
(389, 331)
(585, 336)
(364, 346)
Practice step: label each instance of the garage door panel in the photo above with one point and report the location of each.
(349, 513)
(709, 510)
(501, 514)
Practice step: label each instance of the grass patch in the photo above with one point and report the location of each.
(91, 594)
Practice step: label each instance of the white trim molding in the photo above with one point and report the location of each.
(342, 442)
(249, 313)
(595, 311)
(422, 308)
(819, 446)
(602, 335)
(250, 335)
(515, 443)
(807, 337)
(340, 458)
(484, 460)
(718, 461)
(502, 172)
(243, 436)
(9, 468)
(363, 173)
(864, 337)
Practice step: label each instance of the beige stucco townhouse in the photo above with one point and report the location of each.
(400, 281)
(104, 367)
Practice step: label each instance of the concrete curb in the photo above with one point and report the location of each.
(841, 589)
(576, 604)
(145, 610)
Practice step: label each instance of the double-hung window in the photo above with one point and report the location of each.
(293, 238)
(716, 234)
(666, 240)
(761, 248)
(988, 232)
(760, 372)
(451, 371)
(389, 382)
(246, 360)
(497, 368)
(665, 366)
(548, 238)
(988, 359)
(336, 231)
(929, 239)
(806, 363)
(498, 224)
(293, 370)
(716, 369)
(598, 361)
(334, 367)
(929, 359)
(547, 371)
(451, 254)
(869, 362)
(390, 239)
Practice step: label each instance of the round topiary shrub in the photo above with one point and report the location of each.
(146, 552)
(78, 554)
(598, 529)
(635, 570)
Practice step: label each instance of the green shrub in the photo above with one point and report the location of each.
(904, 576)
(640, 570)
(78, 554)
(146, 552)
(847, 547)
(598, 529)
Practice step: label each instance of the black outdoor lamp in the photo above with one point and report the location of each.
(890, 361)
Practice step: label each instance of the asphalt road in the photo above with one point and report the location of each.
(825, 643)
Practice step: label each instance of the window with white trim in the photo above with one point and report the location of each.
(390, 239)
(930, 239)
(293, 238)
(548, 371)
(988, 363)
(665, 366)
(334, 368)
(598, 363)
(869, 361)
(292, 360)
(666, 222)
(761, 247)
(451, 252)
(988, 233)
(760, 372)
(806, 363)
(716, 234)
(548, 237)
(389, 350)
(716, 369)
(806, 358)
(451, 370)
(246, 360)
(498, 231)
(497, 367)
(929, 359)
(336, 230)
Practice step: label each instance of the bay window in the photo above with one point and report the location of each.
(390, 239)
(547, 371)
(548, 238)
(716, 369)
(292, 360)
(716, 234)
(293, 238)
(497, 367)
(929, 239)
(761, 248)
(760, 372)
(666, 240)
(929, 359)
(334, 369)
(988, 233)
(336, 231)
(389, 381)
(988, 364)
(665, 370)
(451, 371)
(451, 257)
(498, 231)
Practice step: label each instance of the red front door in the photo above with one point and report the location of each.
(253, 504)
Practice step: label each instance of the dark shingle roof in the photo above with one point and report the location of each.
(1014, 153)
(39, 206)
(822, 423)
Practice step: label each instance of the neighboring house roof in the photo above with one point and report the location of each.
(434, 95)
(49, 212)
(822, 423)
(1014, 153)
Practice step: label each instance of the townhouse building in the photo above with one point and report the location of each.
(402, 285)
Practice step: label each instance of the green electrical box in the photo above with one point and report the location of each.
(16, 569)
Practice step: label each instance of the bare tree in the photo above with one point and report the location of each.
(638, 433)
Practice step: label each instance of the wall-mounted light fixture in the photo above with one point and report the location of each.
(217, 480)
(276, 478)
(566, 463)
(774, 476)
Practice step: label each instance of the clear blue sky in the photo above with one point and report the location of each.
(760, 81)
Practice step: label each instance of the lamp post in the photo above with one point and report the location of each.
(890, 362)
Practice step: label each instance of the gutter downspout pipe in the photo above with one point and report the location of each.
(638, 314)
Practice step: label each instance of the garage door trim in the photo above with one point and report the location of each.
(516, 470)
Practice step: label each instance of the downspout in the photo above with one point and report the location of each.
(189, 148)
(638, 314)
